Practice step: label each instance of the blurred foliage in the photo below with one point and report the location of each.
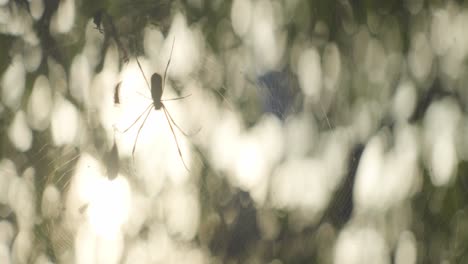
(438, 215)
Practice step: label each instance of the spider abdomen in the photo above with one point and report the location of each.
(156, 89)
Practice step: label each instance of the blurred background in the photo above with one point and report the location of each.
(317, 131)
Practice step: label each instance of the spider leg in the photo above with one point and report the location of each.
(144, 96)
(144, 76)
(175, 138)
(138, 134)
(177, 98)
(178, 127)
(136, 120)
(167, 66)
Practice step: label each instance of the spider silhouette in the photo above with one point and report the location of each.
(157, 89)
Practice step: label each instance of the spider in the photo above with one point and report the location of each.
(157, 89)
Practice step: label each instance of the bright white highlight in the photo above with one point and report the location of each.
(65, 120)
(420, 56)
(64, 19)
(51, 202)
(386, 178)
(13, 82)
(331, 66)
(225, 138)
(7, 174)
(37, 9)
(404, 102)
(109, 206)
(310, 72)
(268, 40)
(6, 232)
(361, 245)
(22, 246)
(22, 199)
(182, 212)
(185, 57)
(440, 124)
(301, 133)
(97, 209)
(40, 104)
(250, 165)
(80, 78)
(301, 185)
(19, 132)
(406, 249)
(241, 16)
